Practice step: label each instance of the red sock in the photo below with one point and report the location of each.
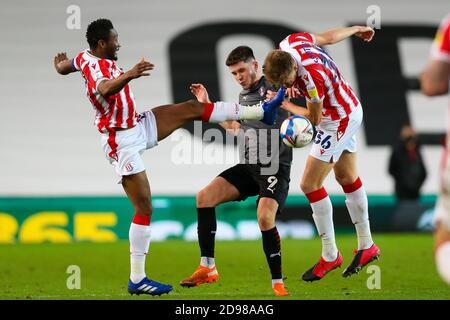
(209, 107)
(141, 219)
(349, 188)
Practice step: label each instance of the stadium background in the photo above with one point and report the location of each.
(55, 182)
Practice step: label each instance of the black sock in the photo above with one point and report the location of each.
(206, 230)
(272, 249)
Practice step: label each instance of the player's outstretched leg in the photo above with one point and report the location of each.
(356, 201)
(137, 189)
(217, 192)
(174, 116)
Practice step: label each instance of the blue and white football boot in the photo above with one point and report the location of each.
(271, 107)
(147, 286)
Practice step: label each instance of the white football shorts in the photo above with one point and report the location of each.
(123, 149)
(335, 137)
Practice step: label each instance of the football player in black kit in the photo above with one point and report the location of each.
(268, 178)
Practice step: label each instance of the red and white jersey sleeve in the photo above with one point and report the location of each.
(441, 45)
(94, 70)
(115, 111)
(319, 78)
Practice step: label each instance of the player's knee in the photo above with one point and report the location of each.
(266, 223)
(266, 218)
(307, 187)
(203, 199)
(344, 179)
(144, 206)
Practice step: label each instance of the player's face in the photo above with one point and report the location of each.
(245, 73)
(113, 45)
(291, 78)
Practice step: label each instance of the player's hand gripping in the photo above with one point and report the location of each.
(200, 92)
(365, 33)
(271, 94)
(139, 70)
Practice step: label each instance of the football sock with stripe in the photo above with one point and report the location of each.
(356, 202)
(139, 236)
(323, 218)
(206, 231)
(272, 250)
(221, 111)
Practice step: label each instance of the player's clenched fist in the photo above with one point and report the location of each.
(139, 70)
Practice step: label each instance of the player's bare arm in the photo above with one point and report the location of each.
(62, 64)
(113, 86)
(200, 92)
(434, 79)
(313, 110)
(337, 35)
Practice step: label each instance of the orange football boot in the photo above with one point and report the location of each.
(279, 290)
(200, 276)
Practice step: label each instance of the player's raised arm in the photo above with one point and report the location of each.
(109, 87)
(336, 35)
(62, 64)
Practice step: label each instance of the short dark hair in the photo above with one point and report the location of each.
(241, 53)
(98, 30)
(278, 66)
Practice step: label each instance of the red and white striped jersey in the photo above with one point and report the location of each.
(441, 45)
(319, 78)
(115, 111)
(440, 51)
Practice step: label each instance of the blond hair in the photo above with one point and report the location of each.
(278, 66)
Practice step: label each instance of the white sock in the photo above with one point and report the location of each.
(356, 202)
(223, 111)
(443, 261)
(275, 281)
(207, 262)
(323, 218)
(139, 244)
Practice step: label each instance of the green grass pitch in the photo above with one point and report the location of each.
(39, 271)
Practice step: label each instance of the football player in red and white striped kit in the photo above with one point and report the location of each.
(435, 82)
(332, 105)
(125, 133)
